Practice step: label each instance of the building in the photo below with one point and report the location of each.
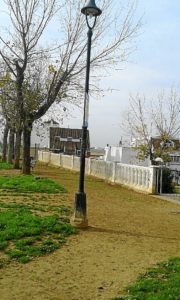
(158, 143)
(40, 135)
(67, 140)
(125, 155)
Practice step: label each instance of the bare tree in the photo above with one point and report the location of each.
(146, 118)
(4, 144)
(29, 64)
(11, 146)
(18, 51)
(166, 114)
(8, 112)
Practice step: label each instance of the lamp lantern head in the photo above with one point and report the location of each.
(91, 9)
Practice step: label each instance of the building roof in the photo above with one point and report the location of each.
(156, 141)
(60, 137)
(51, 121)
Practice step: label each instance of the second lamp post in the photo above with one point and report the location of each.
(79, 218)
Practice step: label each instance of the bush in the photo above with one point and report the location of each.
(167, 181)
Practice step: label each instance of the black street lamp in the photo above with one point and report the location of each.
(79, 218)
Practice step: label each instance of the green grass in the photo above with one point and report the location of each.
(5, 166)
(177, 189)
(60, 209)
(24, 235)
(30, 183)
(159, 283)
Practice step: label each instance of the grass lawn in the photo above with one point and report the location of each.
(159, 283)
(30, 183)
(177, 189)
(5, 166)
(29, 225)
(127, 234)
(25, 235)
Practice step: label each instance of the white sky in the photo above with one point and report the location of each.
(154, 66)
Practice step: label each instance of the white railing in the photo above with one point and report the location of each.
(135, 177)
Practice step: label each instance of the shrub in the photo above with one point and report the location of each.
(168, 186)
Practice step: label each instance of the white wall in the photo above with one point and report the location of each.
(129, 157)
(135, 177)
(126, 155)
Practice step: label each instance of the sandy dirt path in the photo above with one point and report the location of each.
(128, 232)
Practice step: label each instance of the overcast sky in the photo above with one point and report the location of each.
(154, 66)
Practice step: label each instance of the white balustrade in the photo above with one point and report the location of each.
(136, 177)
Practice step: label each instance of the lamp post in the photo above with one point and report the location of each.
(79, 218)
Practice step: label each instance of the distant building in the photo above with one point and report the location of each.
(174, 152)
(67, 141)
(126, 155)
(97, 152)
(158, 143)
(174, 164)
(41, 133)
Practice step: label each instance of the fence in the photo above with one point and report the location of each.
(135, 177)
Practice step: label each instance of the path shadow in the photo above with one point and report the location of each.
(128, 233)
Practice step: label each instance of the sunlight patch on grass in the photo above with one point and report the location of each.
(24, 235)
(159, 283)
(30, 183)
(177, 189)
(5, 166)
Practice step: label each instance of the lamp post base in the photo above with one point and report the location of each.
(79, 219)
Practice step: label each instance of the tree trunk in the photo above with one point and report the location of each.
(11, 147)
(4, 148)
(26, 167)
(17, 149)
